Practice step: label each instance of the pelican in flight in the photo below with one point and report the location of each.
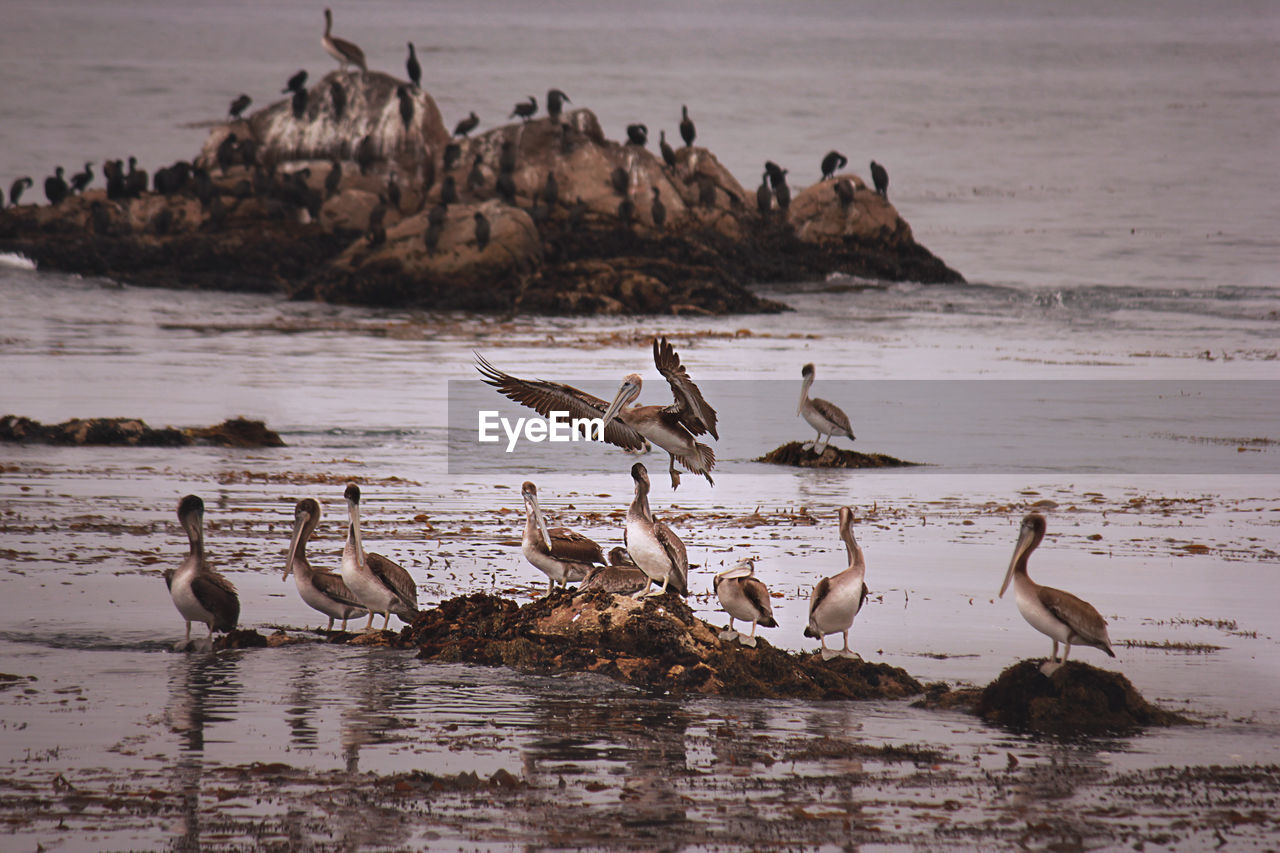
(561, 554)
(323, 590)
(744, 597)
(824, 416)
(200, 593)
(836, 600)
(672, 427)
(340, 49)
(1059, 615)
(652, 546)
(380, 585)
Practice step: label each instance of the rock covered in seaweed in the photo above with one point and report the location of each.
(235, 432)
(655, 643)
(795, 454)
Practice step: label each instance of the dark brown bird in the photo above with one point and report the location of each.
(415, 70)
(81, 180)
(555, 102)
(551, 190)
(621, 180)
(338, 97)
(668, 153)
(880, 178)
(449, 190)
(658, 210)
(406, 105)
(299, 103)
(834, 160)
(687, 131)
(764, 197)
(226, 153)
(17, 188)
(295, 83)
(482, 230)
(452, 152)
(506, 187)
(626, 212)
(475, 178)
(844, 191)
(525, 111)
(467, 125)
(637, 134)
(239, 105)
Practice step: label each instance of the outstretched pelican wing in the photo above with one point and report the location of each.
(689, 407)
(547, 397)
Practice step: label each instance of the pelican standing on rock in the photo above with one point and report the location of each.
(836, 600)
(200, 593)
(621, 576)
(380, 585)
(824, 416)
(1057, 614)
(562, 555)
(323, 590)
(340, 49)
(745, 597)
(671, 427)
(654, 548)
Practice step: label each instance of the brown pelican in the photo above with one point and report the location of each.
(621, 576)
(323, 590)
(670, 427)
(826, 417)
(836, 600)
(340, 49)
(654, 548)
(1059, 615)
(561, 554)
(200, 593)
(380, 585)
(744, 597)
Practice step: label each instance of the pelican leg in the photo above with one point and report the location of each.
(188, 630)
(826, 439)
(1052, 665)
(827, 654)
(749, 641)
(344, 624)
(730, 634)
(675, 475)
(386, 620)
(369, 625)
(1066, 651)
(330, 628)
(846, 652)
(648, 582)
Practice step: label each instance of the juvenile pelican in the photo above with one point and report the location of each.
(323, 590)
(671, 427)
(560, 553)
(656, 550)
(622, 575)
(744, 597)
(380, 585)
(340, 49)
(836, 600)
(1059, 615)
(200, 593)
(824, 416)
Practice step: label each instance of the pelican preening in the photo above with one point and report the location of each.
(340, 49)
(621, 576)
(824, 416)
(562, 555)
(323, 590)
(836, 600)
(200, 593)
(1057, 614)
(744, 597)
(671, 427)
(654, 548)
(380, 585)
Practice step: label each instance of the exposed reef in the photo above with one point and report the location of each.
(133, 432)
(345, 196)
(795, 454)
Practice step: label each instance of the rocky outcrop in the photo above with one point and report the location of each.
(795, 454)
(132, 432)
(344, 195)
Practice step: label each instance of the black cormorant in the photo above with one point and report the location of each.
(81, 180)
(452, 152)
(834, 160)
(482, 230)
(782, 192)
(764, 197)
(880, 178)
(507, 156)
(226, 153)
(135, 183)
(17, 188)
(687, 131)
(467, 125)
(775, 173)
(475, 178)
(525, 111)
(333, 179)
(239, 105)
(668, 153)
(658, 210)
(620, 180)
(296, 82)
(551, 190)
(626, 212)
(415, 70)
(555, 101)
(366, 154)
(338, 97)
(449, 190)
(637, 134)
(299, 103)
(406, 105)
(506, 186)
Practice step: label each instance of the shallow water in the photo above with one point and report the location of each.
(1104, 177)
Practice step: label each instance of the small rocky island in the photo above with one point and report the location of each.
(353, 190)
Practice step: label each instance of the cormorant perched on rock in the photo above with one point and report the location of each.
(340, 49)
(406, 105)
(775, 173)
(296, 82)
(621, 180)
(525, 111)
(415, 70)
(299, 104)
(239, 105)
(482, 230)
(80, 180)
(844, 192)
(782, 192)
(467, 125)
(658, 210)
(135, 183)
(626, 212)
(393, 191)
(577, 213)
(687, 131)
(880, 178)
(449, 190)
(202, 185)
(17, 188)
(366, 154)
(226, 153)
(475, 178)
(333, 179)
(834, 160)
(551, 190)
(507, 156)
(668, 153)
(437, 215)
(452, 152)
(555, 101)
(506, 186)
(637, 134)
(338, 97)
(764, 197)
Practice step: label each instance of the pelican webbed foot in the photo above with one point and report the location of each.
(828, 654)
(747, 641)
(1049, 667)
(851, 655)
(729, 635)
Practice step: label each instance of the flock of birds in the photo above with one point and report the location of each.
(652, 553)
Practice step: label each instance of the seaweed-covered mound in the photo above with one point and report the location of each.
(133, 432)
(794, 453)
(656, 643)
(1078, 699)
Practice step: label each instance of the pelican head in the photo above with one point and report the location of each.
(807, 373)
(352, 494)
(305, 517)
(530, 494)
(191, 516)
(742, 569)
(1029, 536)
(856, 557)
(641, 475)
(627, 393)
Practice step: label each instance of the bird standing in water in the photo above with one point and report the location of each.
(200, 593)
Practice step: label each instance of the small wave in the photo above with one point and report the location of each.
(86, 642)
(16, 261)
